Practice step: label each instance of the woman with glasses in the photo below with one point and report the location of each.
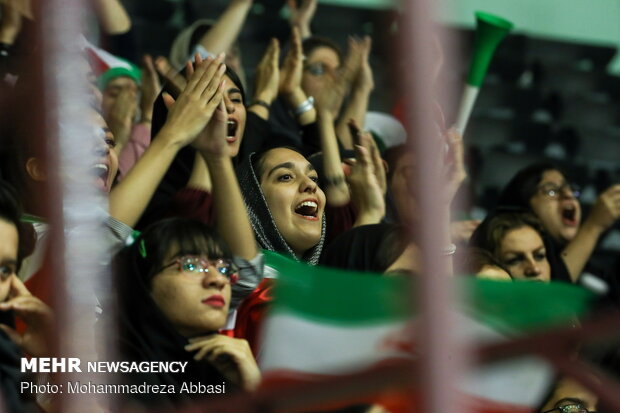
(174, 295)
(179, 281)
(544, 190)
(568, 396)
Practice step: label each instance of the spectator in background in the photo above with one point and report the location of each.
(16, 300)
(515, 241)
(544, 190)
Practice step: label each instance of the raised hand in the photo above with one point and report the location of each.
(364, 79)
(212, 140)
(364, 138)
(454, 164)
(175, 81)
(301, 15)
(121, 116)
(149, 89)
(367, 193)
(34, 313)
(606, 209)
(292, 69)
(267, 78)
(231, 356)
(191, 112)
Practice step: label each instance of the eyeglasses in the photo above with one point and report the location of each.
(198, 265)
(316, 69)
(553, 190)
(319, 69)
(570, 408)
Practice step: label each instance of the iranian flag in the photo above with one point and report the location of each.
(327, 322)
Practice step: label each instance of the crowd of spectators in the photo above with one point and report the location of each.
(203, 172)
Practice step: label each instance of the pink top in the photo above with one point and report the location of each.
(138, 142)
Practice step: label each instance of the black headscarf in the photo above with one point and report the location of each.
(145, 334)
(265, 229)
(369, 248)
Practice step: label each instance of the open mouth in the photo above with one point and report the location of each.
(101, 172)
(308, 210)
(231, 135)
(569, 215)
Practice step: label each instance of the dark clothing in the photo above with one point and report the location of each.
(288, 132)
(369, 248)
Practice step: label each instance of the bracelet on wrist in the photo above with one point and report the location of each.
(449, 250)
(334, 180)
(305, 106)
(262, 103)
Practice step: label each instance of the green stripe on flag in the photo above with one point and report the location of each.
(340, 297)
(345, 297)
(527, 305)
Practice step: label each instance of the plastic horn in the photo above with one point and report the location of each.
(490, 31)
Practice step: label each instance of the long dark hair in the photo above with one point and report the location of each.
(523, 186)
(185, 236)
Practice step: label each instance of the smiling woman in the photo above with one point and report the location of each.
(285, 203)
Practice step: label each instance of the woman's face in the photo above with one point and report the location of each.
(322, 62)
(556, 207)
(523, 254)
(194, 302)
(236, 115)
(112, 91)
(107, 165)
(8, 256)
(570, 393)
(289, 184)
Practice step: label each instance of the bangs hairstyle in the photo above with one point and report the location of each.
(163, 241)
(257, 159)
(314, 42)
(491, 232)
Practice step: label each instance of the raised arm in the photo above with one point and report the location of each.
(233, 223)
(112, 16)
(363, 85)
(226, 29)
(367, 180)
(336, 189)
(301, 15)
(187, 117)
(604, 214)
(290, 82)
(267, 80)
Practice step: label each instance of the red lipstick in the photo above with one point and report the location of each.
(215, 301)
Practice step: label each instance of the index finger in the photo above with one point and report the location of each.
(296, 41)
(18, 289)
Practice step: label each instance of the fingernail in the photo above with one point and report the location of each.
(222, 68)
(221, 56)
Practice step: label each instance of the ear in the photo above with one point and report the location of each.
(35, 170)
